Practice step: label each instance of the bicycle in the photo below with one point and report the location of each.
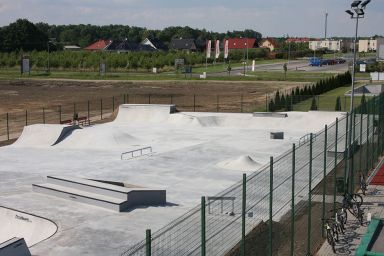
(352, 203)
(363, 183)
(331, 233)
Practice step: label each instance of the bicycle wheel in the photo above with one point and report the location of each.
(354, 210)
(335, 232)
(342, 216)
(330, 240)
(356, 198)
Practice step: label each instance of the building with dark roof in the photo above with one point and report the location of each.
(154, 43)
(183, 44)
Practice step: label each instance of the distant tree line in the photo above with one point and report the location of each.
(282, 101)
(131, 61)
(24, 35)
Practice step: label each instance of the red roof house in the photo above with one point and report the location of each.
(99, 45)
(241, 43)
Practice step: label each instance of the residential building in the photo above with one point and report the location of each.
(242, 43)
(329, 44)
(99, 45)
(269, 43)
(154, 43)
(183, 44)
(297, 40)
(370, 45)
(127, 46)
(72, 48)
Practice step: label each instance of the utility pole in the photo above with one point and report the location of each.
(326, 24)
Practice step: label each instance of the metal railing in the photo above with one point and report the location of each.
(132, 152)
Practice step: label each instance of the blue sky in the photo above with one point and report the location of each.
(270, 17)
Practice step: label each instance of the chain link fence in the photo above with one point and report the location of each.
(278, 210)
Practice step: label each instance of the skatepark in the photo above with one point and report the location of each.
(157, 162)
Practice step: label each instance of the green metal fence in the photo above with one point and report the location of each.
(278, 210)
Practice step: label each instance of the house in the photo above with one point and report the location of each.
(155, 43)
(183, 44)
(297, 40)
(127, 46)
(242, 43)
(72, 48)
(328, 44)
(269, 43)
(370, 45)
(99, 45)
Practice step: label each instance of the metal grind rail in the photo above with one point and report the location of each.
(132, 152)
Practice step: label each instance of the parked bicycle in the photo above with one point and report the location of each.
(332, 234)
(363, 183)
(352, 203)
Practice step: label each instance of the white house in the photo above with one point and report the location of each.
(333, 45)
(370, 45)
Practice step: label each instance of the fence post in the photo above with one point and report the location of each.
(335, 165)
(202, 226)
(367, 146)
(270, 227)
(244, 202)
(346, 153)
(74, 109)
(88, 110)
(217, 103)
(113, 104)
(324, 173)
(194, 102)
(266, 102)
(241, 103)
(171, 99)
(361, 140)
(7, 126)
(293, 201)
(352, 166)
(124, 98)
(101, 108)
(373, 133)
(43, 115)
(127, 98)
(310, 197)
(149, 98)
(60, 114)
(26, 117)
(148, 242)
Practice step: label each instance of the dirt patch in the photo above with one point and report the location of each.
(23, 94)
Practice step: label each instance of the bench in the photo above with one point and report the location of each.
(68, 121)
(84, 121)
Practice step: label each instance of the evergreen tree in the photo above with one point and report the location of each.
(271, 106)
(338, 104)
(314, 104)
(363, 104)
(277, 100)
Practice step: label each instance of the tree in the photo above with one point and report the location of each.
(271, 106)
(23, 35)
(314, 104)
(363, 104)
(338, 104)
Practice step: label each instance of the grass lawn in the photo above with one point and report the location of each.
(327, 101)
(299, 76)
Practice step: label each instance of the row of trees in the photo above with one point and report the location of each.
(124, 61)
(25, 35)
(285, 102)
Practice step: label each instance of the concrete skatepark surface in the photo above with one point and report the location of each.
(194, 154)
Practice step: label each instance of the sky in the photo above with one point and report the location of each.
(270, 17)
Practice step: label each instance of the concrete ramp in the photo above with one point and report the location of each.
(241, 163)
(14, 247)
(144, 113)
(100, 194)
(32, 228)
(44, 135)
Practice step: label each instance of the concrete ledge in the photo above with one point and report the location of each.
(270, 114)
(14, 247)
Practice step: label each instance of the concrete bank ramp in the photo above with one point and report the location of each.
(43, 135)
(241, 163)
(32, 228)
(144, 113)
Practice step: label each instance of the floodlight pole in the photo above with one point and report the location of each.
(354, 62)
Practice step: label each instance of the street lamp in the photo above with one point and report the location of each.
(50, 41)
(358, 8)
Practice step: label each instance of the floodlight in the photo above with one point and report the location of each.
(359, 11)
(355, 4)
(365, 3)
(350, 13)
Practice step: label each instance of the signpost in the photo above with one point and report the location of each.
(24, 65)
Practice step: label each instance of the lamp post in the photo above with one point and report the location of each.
(358, 8)
(51, 40)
